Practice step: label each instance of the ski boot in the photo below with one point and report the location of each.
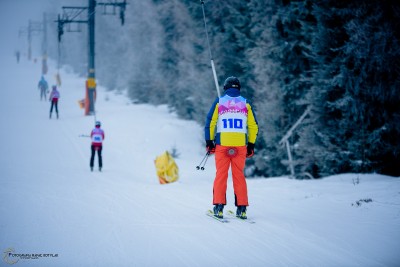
(91, 168)
(241, 212)
(218, 211)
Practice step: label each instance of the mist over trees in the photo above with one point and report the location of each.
(341, 58)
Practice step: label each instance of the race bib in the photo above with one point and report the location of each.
(97, 138)
(232, 115)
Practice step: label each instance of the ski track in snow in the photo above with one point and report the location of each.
(52, 203)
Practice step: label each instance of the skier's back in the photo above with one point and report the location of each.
(54, 96)
(97, 136)
(43, 87)
(230, 132)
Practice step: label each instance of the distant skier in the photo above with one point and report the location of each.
(230, 126)
(43, 87)
(97, 136)
(54, 96)
(17, 55)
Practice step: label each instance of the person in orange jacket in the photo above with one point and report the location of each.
(230, 132)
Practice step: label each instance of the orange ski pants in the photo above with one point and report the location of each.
(234, 157)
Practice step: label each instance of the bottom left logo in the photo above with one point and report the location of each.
(10, 257)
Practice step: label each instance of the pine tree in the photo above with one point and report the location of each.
(282, 60)
(355, 104)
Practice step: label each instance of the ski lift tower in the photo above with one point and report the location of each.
(45, 68)
(23, 31)
(69, 16)
(35, 27)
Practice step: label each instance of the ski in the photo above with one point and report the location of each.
(211, 214)
(233, 215)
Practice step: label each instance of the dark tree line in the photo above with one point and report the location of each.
(341, 58)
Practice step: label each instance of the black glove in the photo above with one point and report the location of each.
(210, 146)
(250, 150)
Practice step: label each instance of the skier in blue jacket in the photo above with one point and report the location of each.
(43, 87)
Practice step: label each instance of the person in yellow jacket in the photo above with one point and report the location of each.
(230, 132)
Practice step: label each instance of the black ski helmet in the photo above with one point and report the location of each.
(231, 82)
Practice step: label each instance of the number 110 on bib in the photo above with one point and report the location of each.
(233, 123)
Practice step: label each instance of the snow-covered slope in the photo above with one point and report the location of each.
(50, 202)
